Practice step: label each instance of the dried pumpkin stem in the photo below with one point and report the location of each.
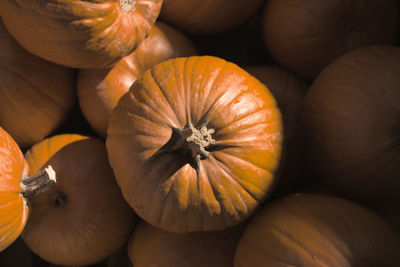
(128, 5)
(40, 182)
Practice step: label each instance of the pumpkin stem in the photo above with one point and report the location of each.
(192, 142)
(128, 5)
(38, 183)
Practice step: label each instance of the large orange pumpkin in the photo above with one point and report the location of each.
(100, 90)
(153, 247)
(207, 16)
(16, 189)
(83, 218)
(316, 230)
(35, 95)
(195, 144)
(350, 122)
(306, 35)
(80, 34)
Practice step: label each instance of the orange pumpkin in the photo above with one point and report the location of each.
(80, 34)
(289, 91)
(152, 247)
(207, 16)
(16, 189)
(100, 90)
(195, 144)
(316, 230)
(35, 95)
(83, 218)
(350, 123)
(305, 36)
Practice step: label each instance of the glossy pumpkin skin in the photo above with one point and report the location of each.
(289, 91)
(35, 95)
(152, 247)
(83, 218)
(317, 230)
(172, 189)
(350, 122)
(306, 35)
(100, 90)
(207, 16)
(80, 34)
(13, 208)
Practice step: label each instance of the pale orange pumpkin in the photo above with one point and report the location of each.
(100, 90)
(35, 95)
(195, 144)
(83, 218)
(80, 34)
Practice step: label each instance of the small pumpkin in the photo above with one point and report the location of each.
(153, 247)
(305, 36)
(317, 230)
(16, 189)
(83, 218)
(289, 91)
(100, 90)
(350, 124)
(195, 144)
(207, 16)
(35, 95)
(80, 34)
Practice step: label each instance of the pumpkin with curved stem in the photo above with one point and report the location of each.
(16, 188)
(317, 230)
(350, 123)
(35, 95)
(305, 36)
(152, 247)
(100, 90)
(195, 144)
(83, 218)
(80, 34)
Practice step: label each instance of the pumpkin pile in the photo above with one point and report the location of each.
(159, 133)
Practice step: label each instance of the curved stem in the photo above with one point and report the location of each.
(38, 183)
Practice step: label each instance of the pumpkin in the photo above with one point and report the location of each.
(305, 36)
(195, 144)
(16, 189)
(35, 95)
(289, 91)
(100, 90)
(317, 230)
(350, 124)
(80, 34)
(83, 218)
(153, 247)
(208, 16)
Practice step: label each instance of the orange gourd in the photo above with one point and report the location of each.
(35, 95)
(80, 34)
(306, 35)
(317, 230)
(83, 219)
(152, 247)
(16, 189)
(100, 90)
(195, 144)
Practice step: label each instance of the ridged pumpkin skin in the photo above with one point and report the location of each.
(306, 35)
(13, 208)
(351, 124)
(100, 90)
(35, 95)
(80, 34)
(317, 230)
(153, 247)
(207, 16)
(289, 91)
(83, 218)
(172, 182)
